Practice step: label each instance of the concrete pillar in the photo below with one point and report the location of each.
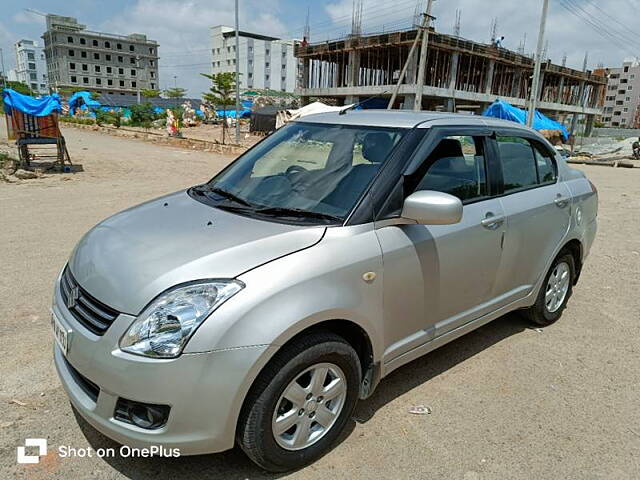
(408, 101)
(588, 129)
(353, 68)
(305, 73)
(450, 103)
(540, 87)
(560, 87)
(516, 83)
(489, 80)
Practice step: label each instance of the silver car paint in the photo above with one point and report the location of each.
(410, 288)
(175, 239)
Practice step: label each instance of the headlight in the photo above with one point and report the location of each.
(163, 328)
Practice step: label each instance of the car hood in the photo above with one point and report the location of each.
(128, 259)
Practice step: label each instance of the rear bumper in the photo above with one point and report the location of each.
(204, 390)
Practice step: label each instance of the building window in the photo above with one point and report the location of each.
(85, 79)
(266, 77)
(626, 69)
(133, 84)
(250, 75)
(625, 110)
(32, 66)
(98, 81)
(108, 69)
(109, 82)
(132, 60)
(151, 63)
(133, 72)
(119, 46)
(83, 54)
(69, 39)
(94, 43)
(122, 83)
(284, 79)
(85, 67)
(30, 56)
(97, 68)
(96, 56)
(107, 44)
(120, 59)
(153, 74)
(72, 66)
(74, 79)
(267, 52)
(72, 53)
(107, 57)
(151, 51)
(630, 87)
(153, 86)
(266, 64)
(121, 71)
(83, 41)
(132, 48)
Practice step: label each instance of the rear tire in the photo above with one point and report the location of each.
(554, 292)
(262, 427)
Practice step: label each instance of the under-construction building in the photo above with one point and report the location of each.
(460, 75)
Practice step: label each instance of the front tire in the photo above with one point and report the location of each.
(300, 402)
(555, 291)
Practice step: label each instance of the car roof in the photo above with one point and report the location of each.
(406, 119)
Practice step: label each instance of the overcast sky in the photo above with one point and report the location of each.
(181, 27)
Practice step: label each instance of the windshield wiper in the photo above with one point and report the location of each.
(296, 212)
(201, 189)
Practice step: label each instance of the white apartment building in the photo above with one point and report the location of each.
(622, 97)
(265, 62)
(31, 67)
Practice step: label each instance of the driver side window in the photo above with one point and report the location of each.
(456, 166)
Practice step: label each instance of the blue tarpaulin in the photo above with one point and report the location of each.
(506, 111)
(246, 113)
(82, 98)
(40, 107)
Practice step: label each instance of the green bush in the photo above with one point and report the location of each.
(143, 115)
(109, 118)
(77, 120)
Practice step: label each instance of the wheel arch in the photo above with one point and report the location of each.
(574, 246)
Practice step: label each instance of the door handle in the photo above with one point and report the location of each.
(492, 221)
(561, 202)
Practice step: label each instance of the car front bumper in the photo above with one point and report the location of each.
(204, 390)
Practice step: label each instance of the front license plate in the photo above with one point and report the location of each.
(60, 333)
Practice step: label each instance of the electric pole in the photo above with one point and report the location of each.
(237, 78)
(417, 106)
(535, 83)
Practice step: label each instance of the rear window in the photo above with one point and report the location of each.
(524, 164)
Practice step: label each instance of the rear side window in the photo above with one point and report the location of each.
(524, 164)
(457, 167)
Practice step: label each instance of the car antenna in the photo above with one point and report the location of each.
(351, 107)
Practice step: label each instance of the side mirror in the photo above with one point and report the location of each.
(428, 207)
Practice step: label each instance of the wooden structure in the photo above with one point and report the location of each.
(37, 137)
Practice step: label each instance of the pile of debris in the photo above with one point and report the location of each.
(10, 171)
(605, 151)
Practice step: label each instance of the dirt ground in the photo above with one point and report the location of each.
(508, 402)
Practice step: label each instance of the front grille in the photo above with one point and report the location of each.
(91, 389)
(91, 313)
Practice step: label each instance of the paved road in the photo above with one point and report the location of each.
(507, 401)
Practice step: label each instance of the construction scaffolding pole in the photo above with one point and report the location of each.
(417, 106)
(421, 31)
(536, 71)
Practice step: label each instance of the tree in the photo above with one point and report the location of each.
(19, 87)
(176, 93)
(223, 87)
(150, 93)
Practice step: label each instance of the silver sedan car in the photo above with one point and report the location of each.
(257, 308)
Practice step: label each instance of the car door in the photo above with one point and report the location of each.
(438, 277)
(537, 209)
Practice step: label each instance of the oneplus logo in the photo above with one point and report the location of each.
(41, 443)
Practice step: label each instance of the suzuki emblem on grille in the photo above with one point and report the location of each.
(74, 294)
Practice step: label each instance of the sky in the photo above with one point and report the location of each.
(181, 27)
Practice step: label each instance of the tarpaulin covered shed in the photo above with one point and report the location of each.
(506, 111)
(264, 119)
(82, 98)
(39, 107)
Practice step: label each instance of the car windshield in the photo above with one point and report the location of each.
(305, 171)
